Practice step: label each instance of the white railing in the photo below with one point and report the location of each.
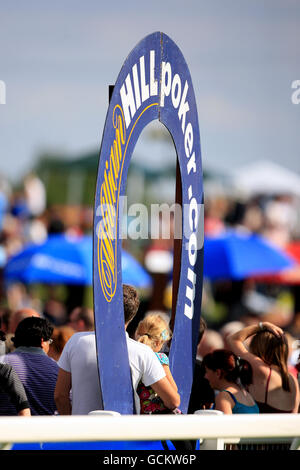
(217, 429)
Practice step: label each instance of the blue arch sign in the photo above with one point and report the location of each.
(154, 83)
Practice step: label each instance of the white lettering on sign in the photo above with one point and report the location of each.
(172, 86)
(193, 217)
(143, 87)
(139, 86)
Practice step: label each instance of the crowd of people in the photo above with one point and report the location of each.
(59, 373)
(48, 370)
(248, 355)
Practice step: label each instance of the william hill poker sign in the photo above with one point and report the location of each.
(154, 83)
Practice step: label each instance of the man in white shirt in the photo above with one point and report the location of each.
(78, 370)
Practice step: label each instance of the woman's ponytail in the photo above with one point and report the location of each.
(146, 339)
(233, 367)
(244, 371)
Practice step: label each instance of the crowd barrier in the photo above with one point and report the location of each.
(213, 431)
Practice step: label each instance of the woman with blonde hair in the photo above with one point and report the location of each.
(274, 389)
(154, 331)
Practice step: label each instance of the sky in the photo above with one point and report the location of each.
(58, 58)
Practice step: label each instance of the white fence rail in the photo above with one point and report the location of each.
(133, 428)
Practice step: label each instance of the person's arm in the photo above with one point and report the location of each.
(62, 392)
(170, 376)
(13, 387)
(164, 360)
(167, 393)
(24, 412)
(236, 340)
(297, 393)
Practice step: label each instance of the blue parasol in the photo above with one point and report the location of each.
(238, 255)
(67, 260)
